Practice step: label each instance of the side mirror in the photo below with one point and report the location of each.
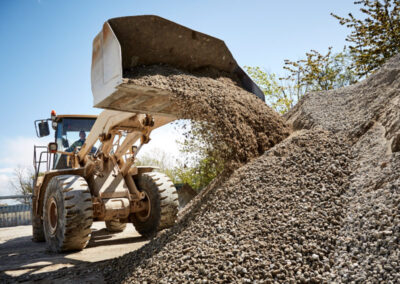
(43, 127)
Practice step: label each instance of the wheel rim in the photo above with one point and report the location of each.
(144, 214)
(53, 215)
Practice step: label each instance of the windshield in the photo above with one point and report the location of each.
(71, 133)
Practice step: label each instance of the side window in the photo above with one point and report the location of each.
(68, 137)
(59, 145)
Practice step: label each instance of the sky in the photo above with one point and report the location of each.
(46, 46)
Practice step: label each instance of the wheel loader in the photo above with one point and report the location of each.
(96, 179)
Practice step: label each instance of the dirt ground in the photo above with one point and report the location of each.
(20, 257)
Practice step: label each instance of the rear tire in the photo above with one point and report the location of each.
(67, 213)
(115, 226)
(163, 199)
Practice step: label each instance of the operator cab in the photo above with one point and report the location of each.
(69, 130)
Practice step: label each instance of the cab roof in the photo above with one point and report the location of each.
(75, 116)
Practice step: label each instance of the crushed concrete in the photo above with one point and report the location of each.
(321, 206)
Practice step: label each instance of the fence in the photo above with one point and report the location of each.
(15, 215)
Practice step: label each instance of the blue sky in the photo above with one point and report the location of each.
(45, 50)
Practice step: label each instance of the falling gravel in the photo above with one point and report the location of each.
(238, 124)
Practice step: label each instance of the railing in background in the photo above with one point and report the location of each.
(15, 215)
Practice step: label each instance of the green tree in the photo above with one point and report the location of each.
(319, 72)
(203, 162)
(375, 37)
(314, 73)
(201, 174)
(276, 94)
(160, 159)
(198, 170)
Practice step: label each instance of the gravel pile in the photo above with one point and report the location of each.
(369, 114)
(277, 218)
(353, 110)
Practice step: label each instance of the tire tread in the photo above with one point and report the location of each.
(74, 232)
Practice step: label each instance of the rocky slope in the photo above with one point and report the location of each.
(277, 218)
(369, 114)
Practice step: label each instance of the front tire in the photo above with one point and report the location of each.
(67, 213)
(163, 204)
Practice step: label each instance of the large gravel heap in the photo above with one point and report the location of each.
(368, 113)
(278, 217)
(321, 206)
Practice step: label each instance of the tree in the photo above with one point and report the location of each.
(374, 38)
(318, 72)
(314, 73)
(199, 168)
(22, 182)
(278, 96)
(201, 174)
(160, 159)
(202, 161)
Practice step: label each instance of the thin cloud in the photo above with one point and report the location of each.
(6, 170)
(5, 186)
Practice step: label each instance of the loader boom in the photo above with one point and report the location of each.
(109, 122)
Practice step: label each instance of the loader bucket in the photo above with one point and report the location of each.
(126, 42)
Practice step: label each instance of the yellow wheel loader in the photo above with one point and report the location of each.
(83, 179)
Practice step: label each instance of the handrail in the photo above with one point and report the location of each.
(14, 196)
(37, 163)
